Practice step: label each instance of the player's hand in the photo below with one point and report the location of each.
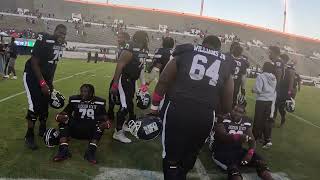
(45, 90)
(247, 158)
(144, 88)
(114, 88)
(105, 124)
(62, 117)
(243, 92)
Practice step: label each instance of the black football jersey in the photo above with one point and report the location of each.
(133, 69)
(284, 83)
(49, 51)
(201, 73)
(79, 109)
(162, 56)
(232, 127)
(239, 65)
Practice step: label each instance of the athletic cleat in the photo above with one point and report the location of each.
(14, 78)
(119, 135)
(90, 156)
(267, 145)
(6, 76)
(63, 153)
(29, 142)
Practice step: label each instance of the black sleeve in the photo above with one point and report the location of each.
(157, 56)
(39, 50)
(68, 109)
(181, 49)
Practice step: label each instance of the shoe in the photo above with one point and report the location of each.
(125, 127)
(42, 129)
(119, 135)
(29, 142)
(6, 76)
(90, 156)
(267, 145)
(14, 78)
(63, 153)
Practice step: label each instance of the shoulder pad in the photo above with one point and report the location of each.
(45, 37)
(131, 46)
(99, 100)
(182, 48)
(75, 99)
(226, 121)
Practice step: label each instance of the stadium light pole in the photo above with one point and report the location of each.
(201, 10)
(285, 16)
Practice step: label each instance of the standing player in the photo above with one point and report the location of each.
(240, 65)
(230, 134)
(84, 117)
(198, 77)
(285, 90)
(296, 85)
(38, 79)
(123, 38)
(129, 68)
(161, 58)
(12, 49)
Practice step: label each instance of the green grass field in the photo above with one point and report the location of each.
(295, 149)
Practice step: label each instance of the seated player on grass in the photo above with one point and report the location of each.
(231, 133)
(84, 117)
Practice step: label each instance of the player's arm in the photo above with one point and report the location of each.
(103, 120)
(251, 141)
(124, 59)
(63, 116)
(258, 85)
(252, 146)
(224, 137)
(299, 82)
(167, 77)
(291, 81)
(227, 98)
(243, 84)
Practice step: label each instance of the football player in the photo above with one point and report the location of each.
(240, 65)
(296, 85)
(230, 135)
(129, 68)
(84, 117)
(123, 38)
(198, 77)
(161, 58)
(285, 89)
(38, 79)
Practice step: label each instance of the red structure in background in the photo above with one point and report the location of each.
(227, 22)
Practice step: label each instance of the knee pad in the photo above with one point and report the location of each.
(43, 117)
(31, 116)
(233, 172)
(173, 170)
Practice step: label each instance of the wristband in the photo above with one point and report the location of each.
(156, 97)
(42, 83)
(114, 86)
(251, 152)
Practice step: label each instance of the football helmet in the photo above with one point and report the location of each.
(241, 100)
(290, 105)
(51, 137)
(143, 99)
(56, 100)
(145, 128)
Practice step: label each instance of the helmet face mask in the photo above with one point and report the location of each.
(290, 105)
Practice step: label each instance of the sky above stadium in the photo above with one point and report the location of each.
(302, 15)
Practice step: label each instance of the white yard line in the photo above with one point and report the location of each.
(68, 77)
(295, 116)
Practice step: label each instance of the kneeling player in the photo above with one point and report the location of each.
(230, 133)
(84, 117)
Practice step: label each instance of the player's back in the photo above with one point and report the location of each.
(201, 73)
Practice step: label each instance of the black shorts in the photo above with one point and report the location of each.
(82, 129)
(38, 103)
(225, 159)
(186, 126)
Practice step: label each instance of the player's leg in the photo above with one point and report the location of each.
(262, 169)
(124, 91)
(63, 150)
(43, 114)
(90, 154)
(33, 95)
(268, 124)
(258, 120)
(236, 89)
(282, 112)
(111, 104)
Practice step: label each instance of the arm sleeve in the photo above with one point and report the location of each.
(258, 85)
(39, 47)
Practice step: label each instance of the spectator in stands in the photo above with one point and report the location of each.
(265, 89)
(12, 59)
